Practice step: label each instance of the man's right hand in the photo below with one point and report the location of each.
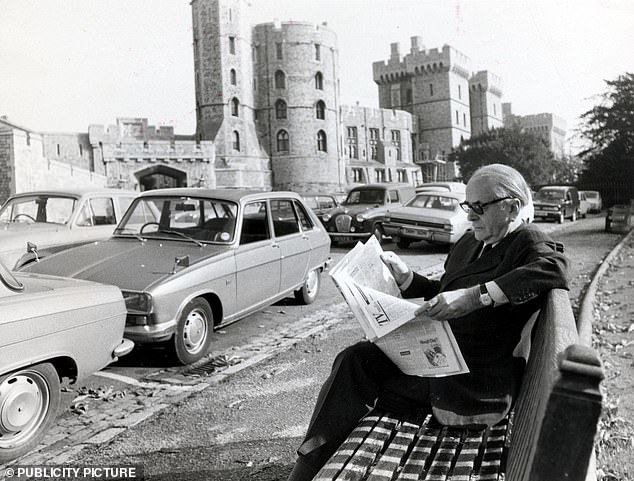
(399, 270)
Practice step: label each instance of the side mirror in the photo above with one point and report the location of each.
(31, 248)
(180, 261)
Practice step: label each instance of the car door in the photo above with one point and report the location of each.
(318, 249)
(294, 244)
(257, 258)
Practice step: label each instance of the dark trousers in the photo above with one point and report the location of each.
(362, 377)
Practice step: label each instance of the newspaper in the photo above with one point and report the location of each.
(418, 345)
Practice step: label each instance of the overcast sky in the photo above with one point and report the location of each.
(65, 64)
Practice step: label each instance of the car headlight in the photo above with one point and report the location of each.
(360, 217)
(137, 301)
(326, 217)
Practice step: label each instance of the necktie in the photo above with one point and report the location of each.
(485, 249)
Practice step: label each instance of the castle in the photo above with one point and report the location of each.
(269, 116)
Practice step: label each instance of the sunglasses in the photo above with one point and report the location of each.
(477, 207)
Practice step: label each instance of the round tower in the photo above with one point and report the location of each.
(296, 90)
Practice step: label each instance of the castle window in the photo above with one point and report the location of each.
(236, 141)
(396, 140)
(321, 141)
(280, 80)
(351, 143)
(232, 45)
(317, 52)
(457, 117)
(401, 175)
(278, 51)
(58, 150)
(81, 148)
(459, 92)
(320, 110)
(280, 109)
(232, 76)
(464, 119)
(282, 141)
(319, 81)
(408, 96)
(235, 105)
(379, 175)
(431, 90)
(357, 175)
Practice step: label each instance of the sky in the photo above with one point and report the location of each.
(67, 64)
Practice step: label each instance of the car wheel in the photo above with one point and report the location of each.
(193, 331)
(403, 243)
(308, 292)
(560, 219)
(377, 232)
(573, 217)
(29, 401)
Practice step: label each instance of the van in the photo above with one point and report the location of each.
(557, 202)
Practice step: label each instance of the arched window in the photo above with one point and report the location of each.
(235, 105)
(319, 81)
(232, 76)
(282, 141)
(236, 140)
(320, 110)
(321, 141)
(280, 80)
(280, 109)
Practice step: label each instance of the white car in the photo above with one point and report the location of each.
(431, 216)
(584, 204)
(54, 220)
(594, 197)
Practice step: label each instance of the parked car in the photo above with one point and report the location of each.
(557, 202)
(320, 203)
(55, 220)
(431, 216)
(594, 197)
(361, 214)
(442, 186)
(584, 204)
(181, 279)
(51, 328)
(620, 217)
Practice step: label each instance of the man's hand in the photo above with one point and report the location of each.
(451, 304)
(400, 271)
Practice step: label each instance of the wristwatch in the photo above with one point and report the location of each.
(485, 297)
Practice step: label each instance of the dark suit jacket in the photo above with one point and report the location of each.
(525, 265)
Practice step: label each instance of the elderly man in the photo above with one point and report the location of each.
(494, 280)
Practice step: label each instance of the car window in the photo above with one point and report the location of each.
(124, 203)
(255, 223)
(39, 208)
(429, 201)
(97, 211)
(393, 196)
(284, 219)
(304, 219)
(325, 202)
(366, 196)
(549, 195)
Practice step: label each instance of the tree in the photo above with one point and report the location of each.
(608, 129)
(524, 151)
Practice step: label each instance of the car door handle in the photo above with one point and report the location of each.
(275, 244)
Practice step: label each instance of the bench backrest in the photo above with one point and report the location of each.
(559, 403)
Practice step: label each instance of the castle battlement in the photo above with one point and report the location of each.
(486, 81)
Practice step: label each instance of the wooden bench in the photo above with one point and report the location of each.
(547, 437)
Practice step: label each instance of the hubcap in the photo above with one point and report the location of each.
(195, 331)
(312, 282)
(24, 400)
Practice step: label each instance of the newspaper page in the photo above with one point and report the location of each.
(417, 345)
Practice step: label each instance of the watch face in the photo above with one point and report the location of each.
(485, 300)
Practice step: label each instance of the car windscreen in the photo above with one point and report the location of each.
(50, 209)
(592, 195)
(180, 218)
(366, 196)
(550, 195)
(434, 201)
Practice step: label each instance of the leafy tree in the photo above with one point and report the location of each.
(608, 129)
(522, 150)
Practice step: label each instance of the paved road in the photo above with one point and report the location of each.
(219, 422)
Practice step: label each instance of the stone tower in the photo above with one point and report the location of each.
(297, 104)
(223, 70)
(433, 85)
(485, 98)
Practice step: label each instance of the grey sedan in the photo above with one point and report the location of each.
(192, 260)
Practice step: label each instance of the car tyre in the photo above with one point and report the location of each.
(193, 331)
(403, 243)
(308, 292)
(377, 232)
(29, 402)
(561, 218)
(573, 217)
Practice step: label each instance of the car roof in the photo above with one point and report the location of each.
(382, 185)
(452, 186)
(74, 192)
(443, 193)
(235, 195)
